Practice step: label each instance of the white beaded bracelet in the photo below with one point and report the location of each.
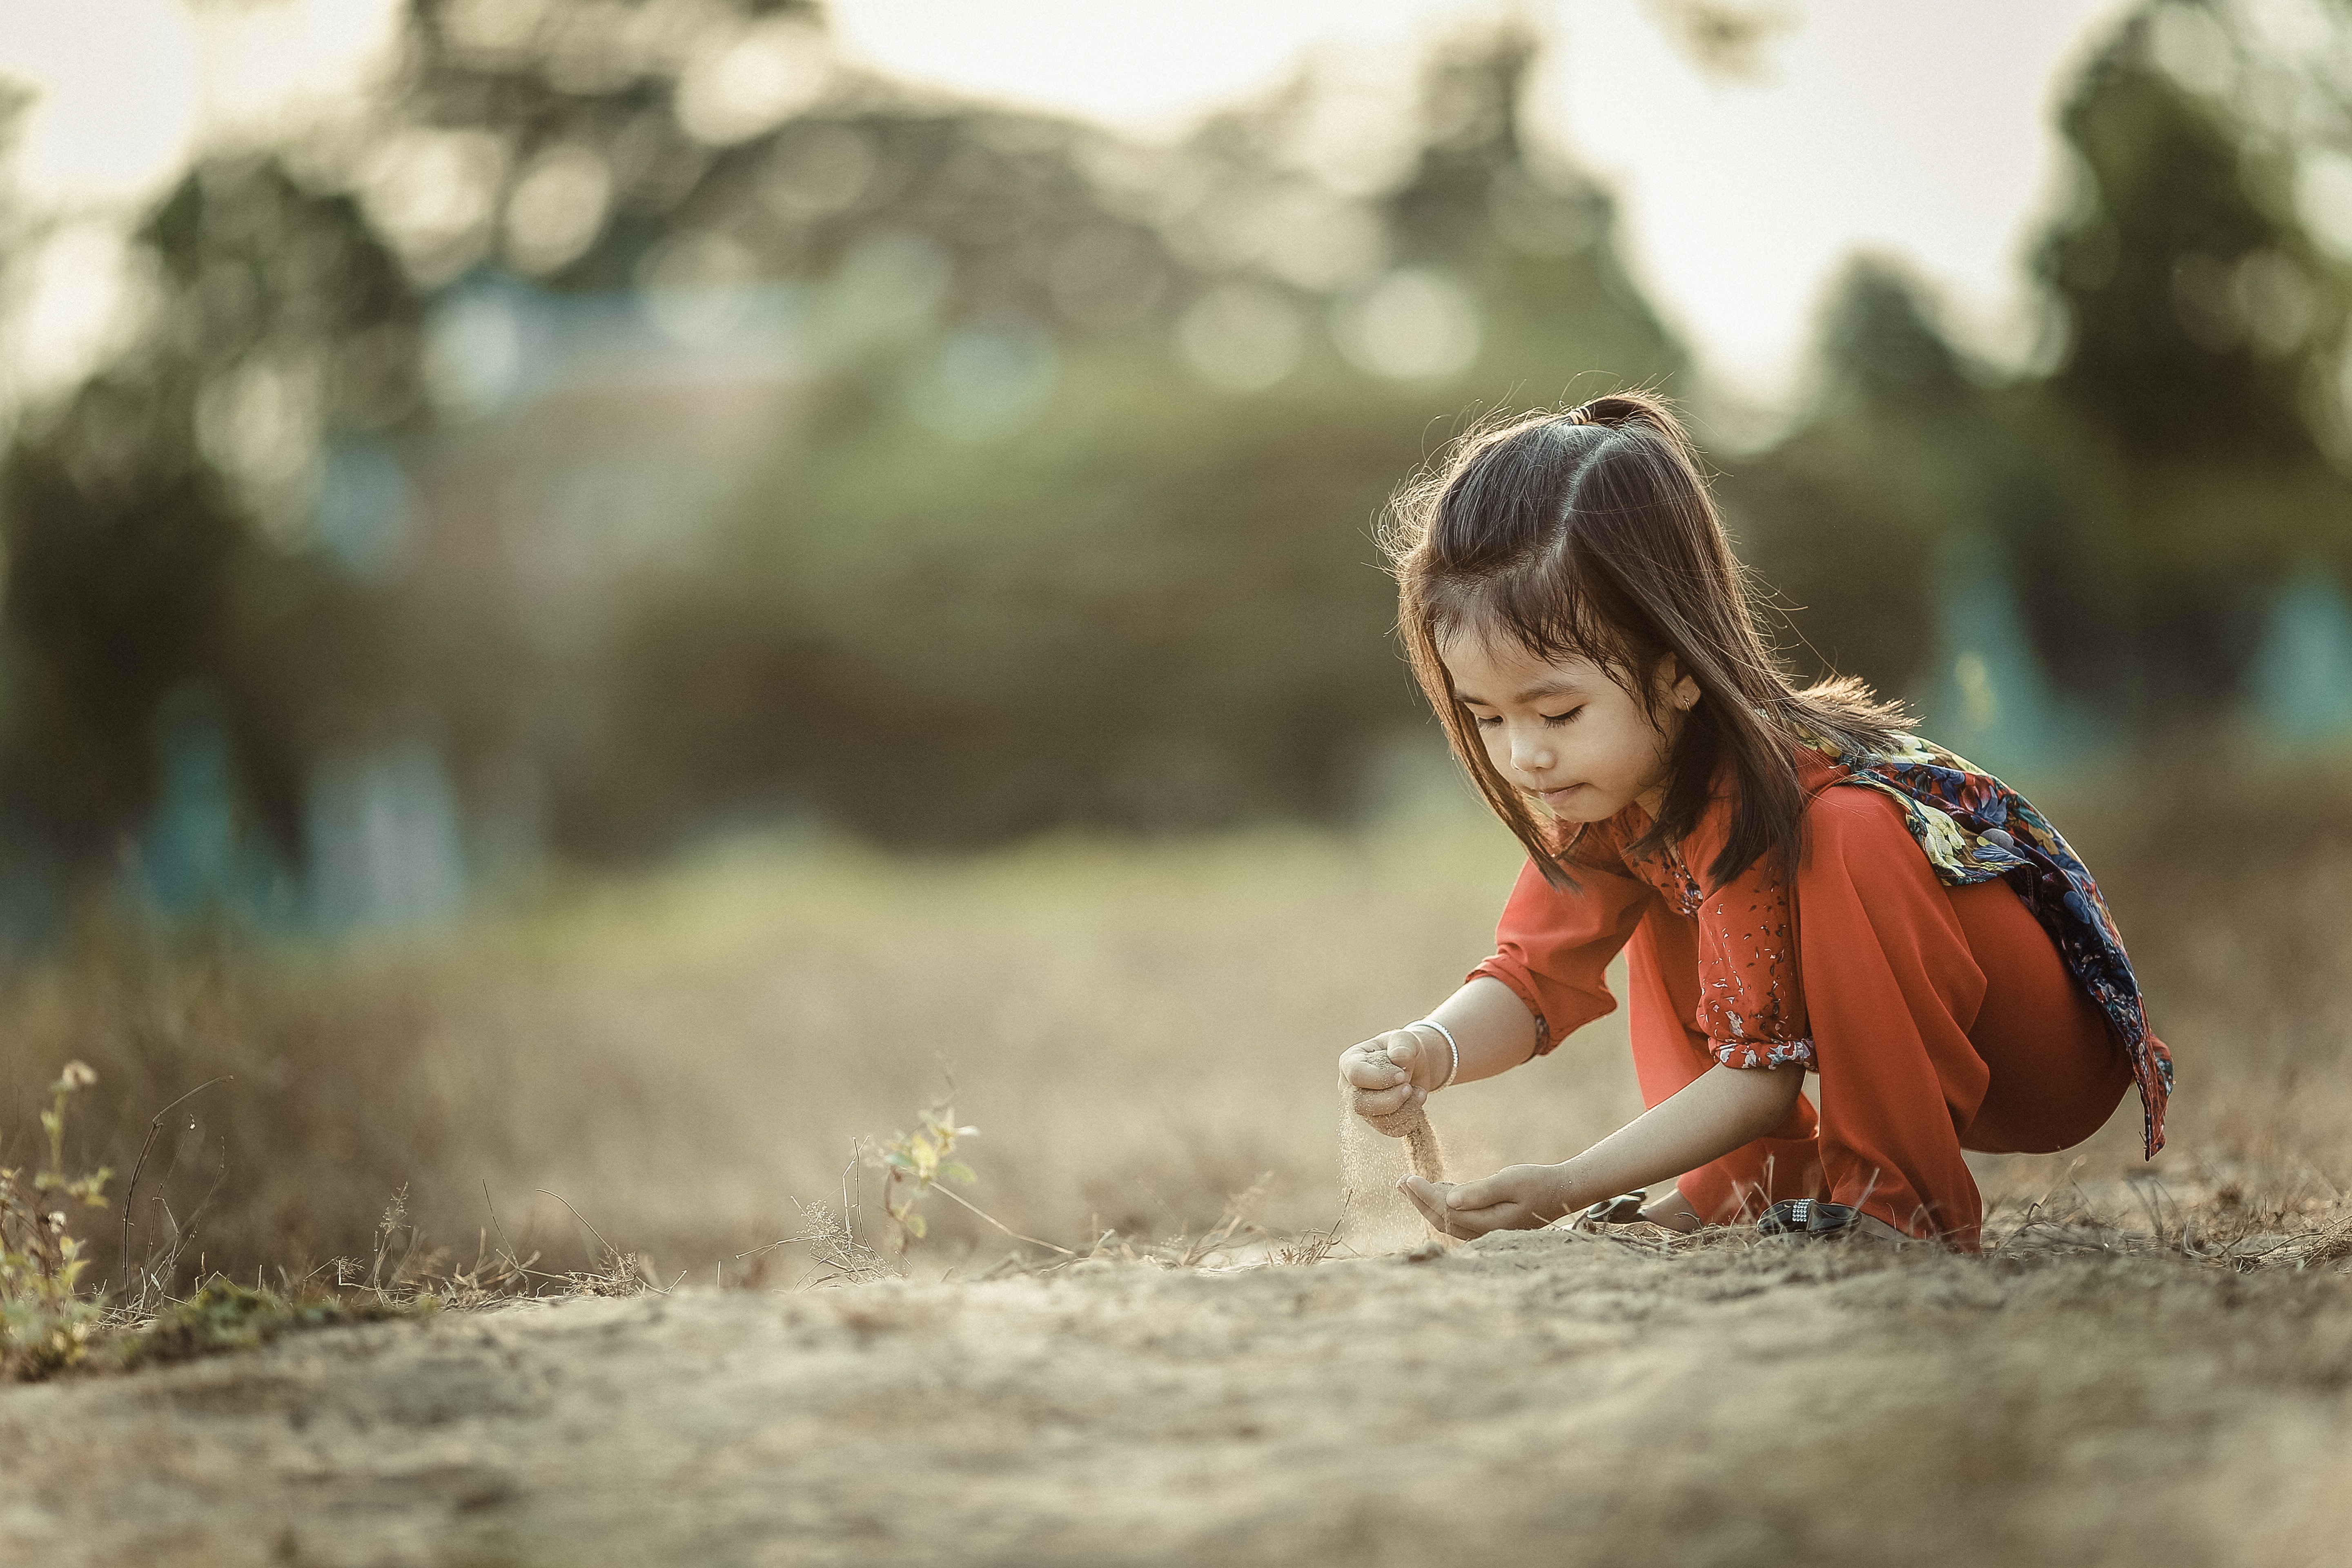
(1456, 1067)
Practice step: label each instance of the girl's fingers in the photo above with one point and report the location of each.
(1433, 1199)
(1474, 1195)
(1367, 1067)
(1429, 1198)
(1385, 1101)
(1495, 1216)
(1529, 1188)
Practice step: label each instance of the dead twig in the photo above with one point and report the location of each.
(999, 1225)
(155, 1126)
(610, 1250)
(2329, 1245)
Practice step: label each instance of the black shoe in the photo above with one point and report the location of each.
(1621, 1210)
(1809, 1217)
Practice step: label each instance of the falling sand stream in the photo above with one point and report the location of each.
(1379, 1216)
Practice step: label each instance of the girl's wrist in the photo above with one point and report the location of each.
(1439, 1062)
(1572, 1194)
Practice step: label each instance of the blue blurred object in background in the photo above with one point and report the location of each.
(2303, 677)
(384, 841)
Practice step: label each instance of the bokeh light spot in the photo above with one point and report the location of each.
(1243, 337)
(1416, 325)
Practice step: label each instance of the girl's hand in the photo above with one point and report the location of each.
(1517, 1197)
(1389, 1077)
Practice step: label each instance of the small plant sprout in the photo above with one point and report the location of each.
(90, 1189)
(915, 1163)
(45, 1320)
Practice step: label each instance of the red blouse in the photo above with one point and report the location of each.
(1552, 946)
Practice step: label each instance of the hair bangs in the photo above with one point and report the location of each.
(1546, 607)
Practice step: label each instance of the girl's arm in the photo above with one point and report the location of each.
(1393, 1073)
(1722, 1110)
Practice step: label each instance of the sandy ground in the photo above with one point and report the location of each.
(1540, 1397)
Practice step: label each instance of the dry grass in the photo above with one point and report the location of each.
(1141, 1033)
(2150, 1365)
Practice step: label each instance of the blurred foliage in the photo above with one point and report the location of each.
(1149, 598)
(1065, 511)
(47, 1315)
(1146, 601)
(1842, 518)
(2203, 379)
(139, 516)
(2187, 448)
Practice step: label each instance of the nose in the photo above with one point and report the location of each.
(1531, 754)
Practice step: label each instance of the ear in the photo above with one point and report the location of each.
(1677, 688)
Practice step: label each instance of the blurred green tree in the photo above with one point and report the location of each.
(1841, 518)
(2197, 405)
(150, 517)
(1151, 598)
(1079, 478)
(2186, 449)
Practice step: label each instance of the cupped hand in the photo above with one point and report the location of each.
(1387, 1078)
(1517, 1197)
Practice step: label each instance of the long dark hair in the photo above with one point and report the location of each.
(1591, 534)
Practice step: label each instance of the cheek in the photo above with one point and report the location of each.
(1635, 747)
(1660, 748)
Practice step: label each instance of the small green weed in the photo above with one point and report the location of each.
(46, 1320)
(50, 1323)
(224, 1316)
(914, 1163)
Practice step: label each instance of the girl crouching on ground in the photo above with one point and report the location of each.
(1800, 886)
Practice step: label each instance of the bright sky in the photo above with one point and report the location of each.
(1921, 130)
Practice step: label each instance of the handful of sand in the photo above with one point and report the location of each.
(1421, 1143)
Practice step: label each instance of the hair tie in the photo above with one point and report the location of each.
(1581, 415)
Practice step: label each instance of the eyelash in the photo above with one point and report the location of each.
(1486, 721)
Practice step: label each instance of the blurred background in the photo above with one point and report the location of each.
(595, 590)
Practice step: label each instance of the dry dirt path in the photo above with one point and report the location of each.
(1538, 1398)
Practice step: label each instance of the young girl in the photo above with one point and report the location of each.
(1803, 887)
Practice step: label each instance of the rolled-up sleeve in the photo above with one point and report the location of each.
(1553, 945)
(1751, 1005)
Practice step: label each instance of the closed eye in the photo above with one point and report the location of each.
(1488, 720)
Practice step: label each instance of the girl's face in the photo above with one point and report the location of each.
(1563, 731)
